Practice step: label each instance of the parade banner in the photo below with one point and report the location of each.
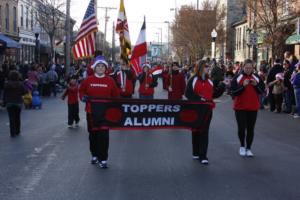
(135, 114)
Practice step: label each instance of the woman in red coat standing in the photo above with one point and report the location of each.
(246, 88)
(98, 85)
(176, 83)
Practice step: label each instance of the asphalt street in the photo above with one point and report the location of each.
(51, 162)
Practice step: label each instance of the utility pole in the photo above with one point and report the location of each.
(113, 54)
(68, 38)
(197, 4)
(106, 20)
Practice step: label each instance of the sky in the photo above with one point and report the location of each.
(156, 12)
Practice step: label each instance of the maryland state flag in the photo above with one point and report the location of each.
(123, 31)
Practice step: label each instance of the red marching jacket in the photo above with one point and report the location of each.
(198, 89)
(246, 97)
(177, 82)
(95, 87)
(125, 78)
(151, 81)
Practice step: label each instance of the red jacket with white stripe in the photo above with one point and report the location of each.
(125, 78)
(95, 87)
(151, 81)
(199, 89)
(246, 97)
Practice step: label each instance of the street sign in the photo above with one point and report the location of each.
(253, 39)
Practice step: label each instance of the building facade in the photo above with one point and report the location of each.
(9, 28)
(235, 11)
(288, 15)
(27, 25)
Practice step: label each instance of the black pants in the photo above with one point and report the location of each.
(52, 87)
(278, 101)
(271, 99)
(99, 141)
(73, 113)
(246, 121)
(200, 140)
(14, 114)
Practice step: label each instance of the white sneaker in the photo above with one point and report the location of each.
(103, 164)
(204, 162)
(195, 157)
(249, 153)
(76, 125)
(70, 126)
(296, 116)
(242, 151)
(94, 160)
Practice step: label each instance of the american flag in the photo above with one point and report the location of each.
(85, 41)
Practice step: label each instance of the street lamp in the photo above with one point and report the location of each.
(214, 35)
(37, 44)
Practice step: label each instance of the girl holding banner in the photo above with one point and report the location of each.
(98, 85)
(200, 88)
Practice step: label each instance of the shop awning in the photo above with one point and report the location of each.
(8, 42)
(293, 39)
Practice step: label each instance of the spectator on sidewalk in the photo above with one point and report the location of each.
(278, 89)
(52, 78)
(289, 96)
(277, 68)
(12, 99)
(296, 85)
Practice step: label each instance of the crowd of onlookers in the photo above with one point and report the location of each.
(281, 79)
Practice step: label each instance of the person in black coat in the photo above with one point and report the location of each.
(289, 96)
(14, 91)
(277, 68)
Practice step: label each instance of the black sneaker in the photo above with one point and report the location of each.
(103, 164)
(94, 160)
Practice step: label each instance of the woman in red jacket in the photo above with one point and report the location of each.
(98, 85)
(246, 88)
(147, 83)
(200, 88)
(125, 80)
(175, 83)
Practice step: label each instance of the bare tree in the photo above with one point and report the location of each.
(192, 28)
(51, 19)
(272, 17)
